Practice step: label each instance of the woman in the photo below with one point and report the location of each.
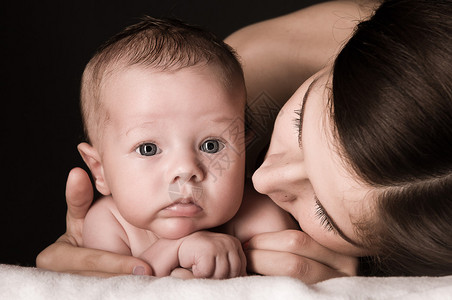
(366, 171)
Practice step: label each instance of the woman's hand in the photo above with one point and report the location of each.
(66, 255)
(294, 253)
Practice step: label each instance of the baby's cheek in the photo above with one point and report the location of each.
(228, 206)
(134, 209)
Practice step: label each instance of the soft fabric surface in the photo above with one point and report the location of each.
(31, 283)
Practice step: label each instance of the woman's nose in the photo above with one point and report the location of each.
(279, 173)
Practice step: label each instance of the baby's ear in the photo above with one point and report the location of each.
(92, 159)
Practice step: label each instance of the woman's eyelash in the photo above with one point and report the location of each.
(297, 119)
(297, 123)
(321, 215)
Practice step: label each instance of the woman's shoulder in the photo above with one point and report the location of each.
(311, 32)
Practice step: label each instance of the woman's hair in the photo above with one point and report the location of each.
(391, 106)
(160, 44)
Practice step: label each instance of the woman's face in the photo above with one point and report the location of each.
(304, 174)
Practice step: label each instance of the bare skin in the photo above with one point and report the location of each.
(79, 196)
(278, 55)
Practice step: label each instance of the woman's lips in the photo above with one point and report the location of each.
(183, 207)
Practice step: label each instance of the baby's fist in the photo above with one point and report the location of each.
(212, 255)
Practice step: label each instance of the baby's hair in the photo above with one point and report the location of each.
(160, 44)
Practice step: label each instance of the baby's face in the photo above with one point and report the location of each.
(173, 150)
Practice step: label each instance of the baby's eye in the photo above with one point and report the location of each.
(147, 149)
(212, 146)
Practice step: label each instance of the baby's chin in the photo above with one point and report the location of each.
(176, 228)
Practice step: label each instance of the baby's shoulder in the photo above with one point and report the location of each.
(106, 207)
(103, 206)
(104, 217)
(104, 202)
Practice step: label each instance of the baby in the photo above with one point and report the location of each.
(163, 107)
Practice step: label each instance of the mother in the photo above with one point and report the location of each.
(360, 155)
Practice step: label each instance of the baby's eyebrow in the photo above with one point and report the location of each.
(224, 119)
(139, 126)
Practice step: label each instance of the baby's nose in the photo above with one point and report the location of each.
(186, 168)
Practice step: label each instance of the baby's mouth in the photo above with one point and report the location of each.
(184, 191)
(183, 207)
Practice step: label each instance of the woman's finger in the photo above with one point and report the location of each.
(79, 194)
(275, 263)
(299, 243)
(94, 274)
(55, 257)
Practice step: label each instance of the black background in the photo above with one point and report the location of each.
(45, 46)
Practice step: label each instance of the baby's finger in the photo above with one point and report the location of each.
(182, 273)
(222, 267)
(204, 267)
(237, 263)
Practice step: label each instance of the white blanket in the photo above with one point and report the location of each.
(31, 283)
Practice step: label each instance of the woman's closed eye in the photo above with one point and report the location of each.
(298, 124)
(323, 217)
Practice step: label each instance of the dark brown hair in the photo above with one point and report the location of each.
(392, 109)
(161, 44)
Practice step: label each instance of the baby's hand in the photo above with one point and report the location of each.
(212, 255)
